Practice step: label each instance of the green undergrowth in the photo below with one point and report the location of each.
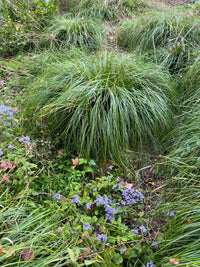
(99, 151)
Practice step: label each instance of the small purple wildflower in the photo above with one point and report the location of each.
(114, 186)
(143, 229)
(109, 217)
(155, 244)
(102, 237)
(11, 147)
(87, 226)
(110, 167)
(149, 264)
(131, 196)
(88, 206)
(75, 199)
(57, 196)
(171, 214)
(25, 140)
(136, 231)
(1, 153)
(28, 172)
(118, 179)
(95, 189)
(109, 176)
(120, 186)
(123, 251)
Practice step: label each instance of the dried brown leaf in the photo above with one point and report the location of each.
(27, 254)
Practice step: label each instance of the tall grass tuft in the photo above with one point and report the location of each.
(111, 10)
(181, 237)
(67, 31)
(179, 36)
(104, 104)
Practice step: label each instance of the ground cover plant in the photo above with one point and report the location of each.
(99, 148)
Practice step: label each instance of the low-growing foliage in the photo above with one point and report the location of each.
(21, 22)
(105, 103)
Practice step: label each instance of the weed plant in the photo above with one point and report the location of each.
(67, 31)
(104, 103)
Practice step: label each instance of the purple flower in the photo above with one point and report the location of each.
(1, 153)
(25, 140)
(110, 167)
(94, 189)
(143, 229)
(103, 200)
(149, 264)
(120, 186)
(102, 238)
(114, 186)
(88, 206)
(123, 251)
(171, 213)
(118, 179)
(131, 196)
(136, 231)
(57, 196)
(87, 226)
(11, 147)
(109, 176)
(75, 199)
(154, 244)
(109, 217)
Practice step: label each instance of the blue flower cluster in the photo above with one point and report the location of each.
(102, 237)
(76, 199)
(131, 196)
(7, 114)
(25, 140)
(108, 209)
(87, 226)
(149, 264)
(57, 196)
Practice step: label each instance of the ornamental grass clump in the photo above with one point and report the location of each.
(171, 39)
(111, 10)
(67, 31)
(104, 103)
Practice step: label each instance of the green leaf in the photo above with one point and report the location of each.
(71, 254)
(118, 259)
(89, 262)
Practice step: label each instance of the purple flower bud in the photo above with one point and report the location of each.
(11, 147)
(87, 226)
(88, 206)
(57, 196)
(102, 237)
(143, 229)
(1, 153)
(110, 167)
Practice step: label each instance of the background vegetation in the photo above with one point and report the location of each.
(99, 115)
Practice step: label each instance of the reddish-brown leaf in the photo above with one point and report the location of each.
(60, 152)
(27, 254)
(174, 261)
(5, 178)
(5, 165)
(75, 162)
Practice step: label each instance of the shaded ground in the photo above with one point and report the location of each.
(178, 2)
